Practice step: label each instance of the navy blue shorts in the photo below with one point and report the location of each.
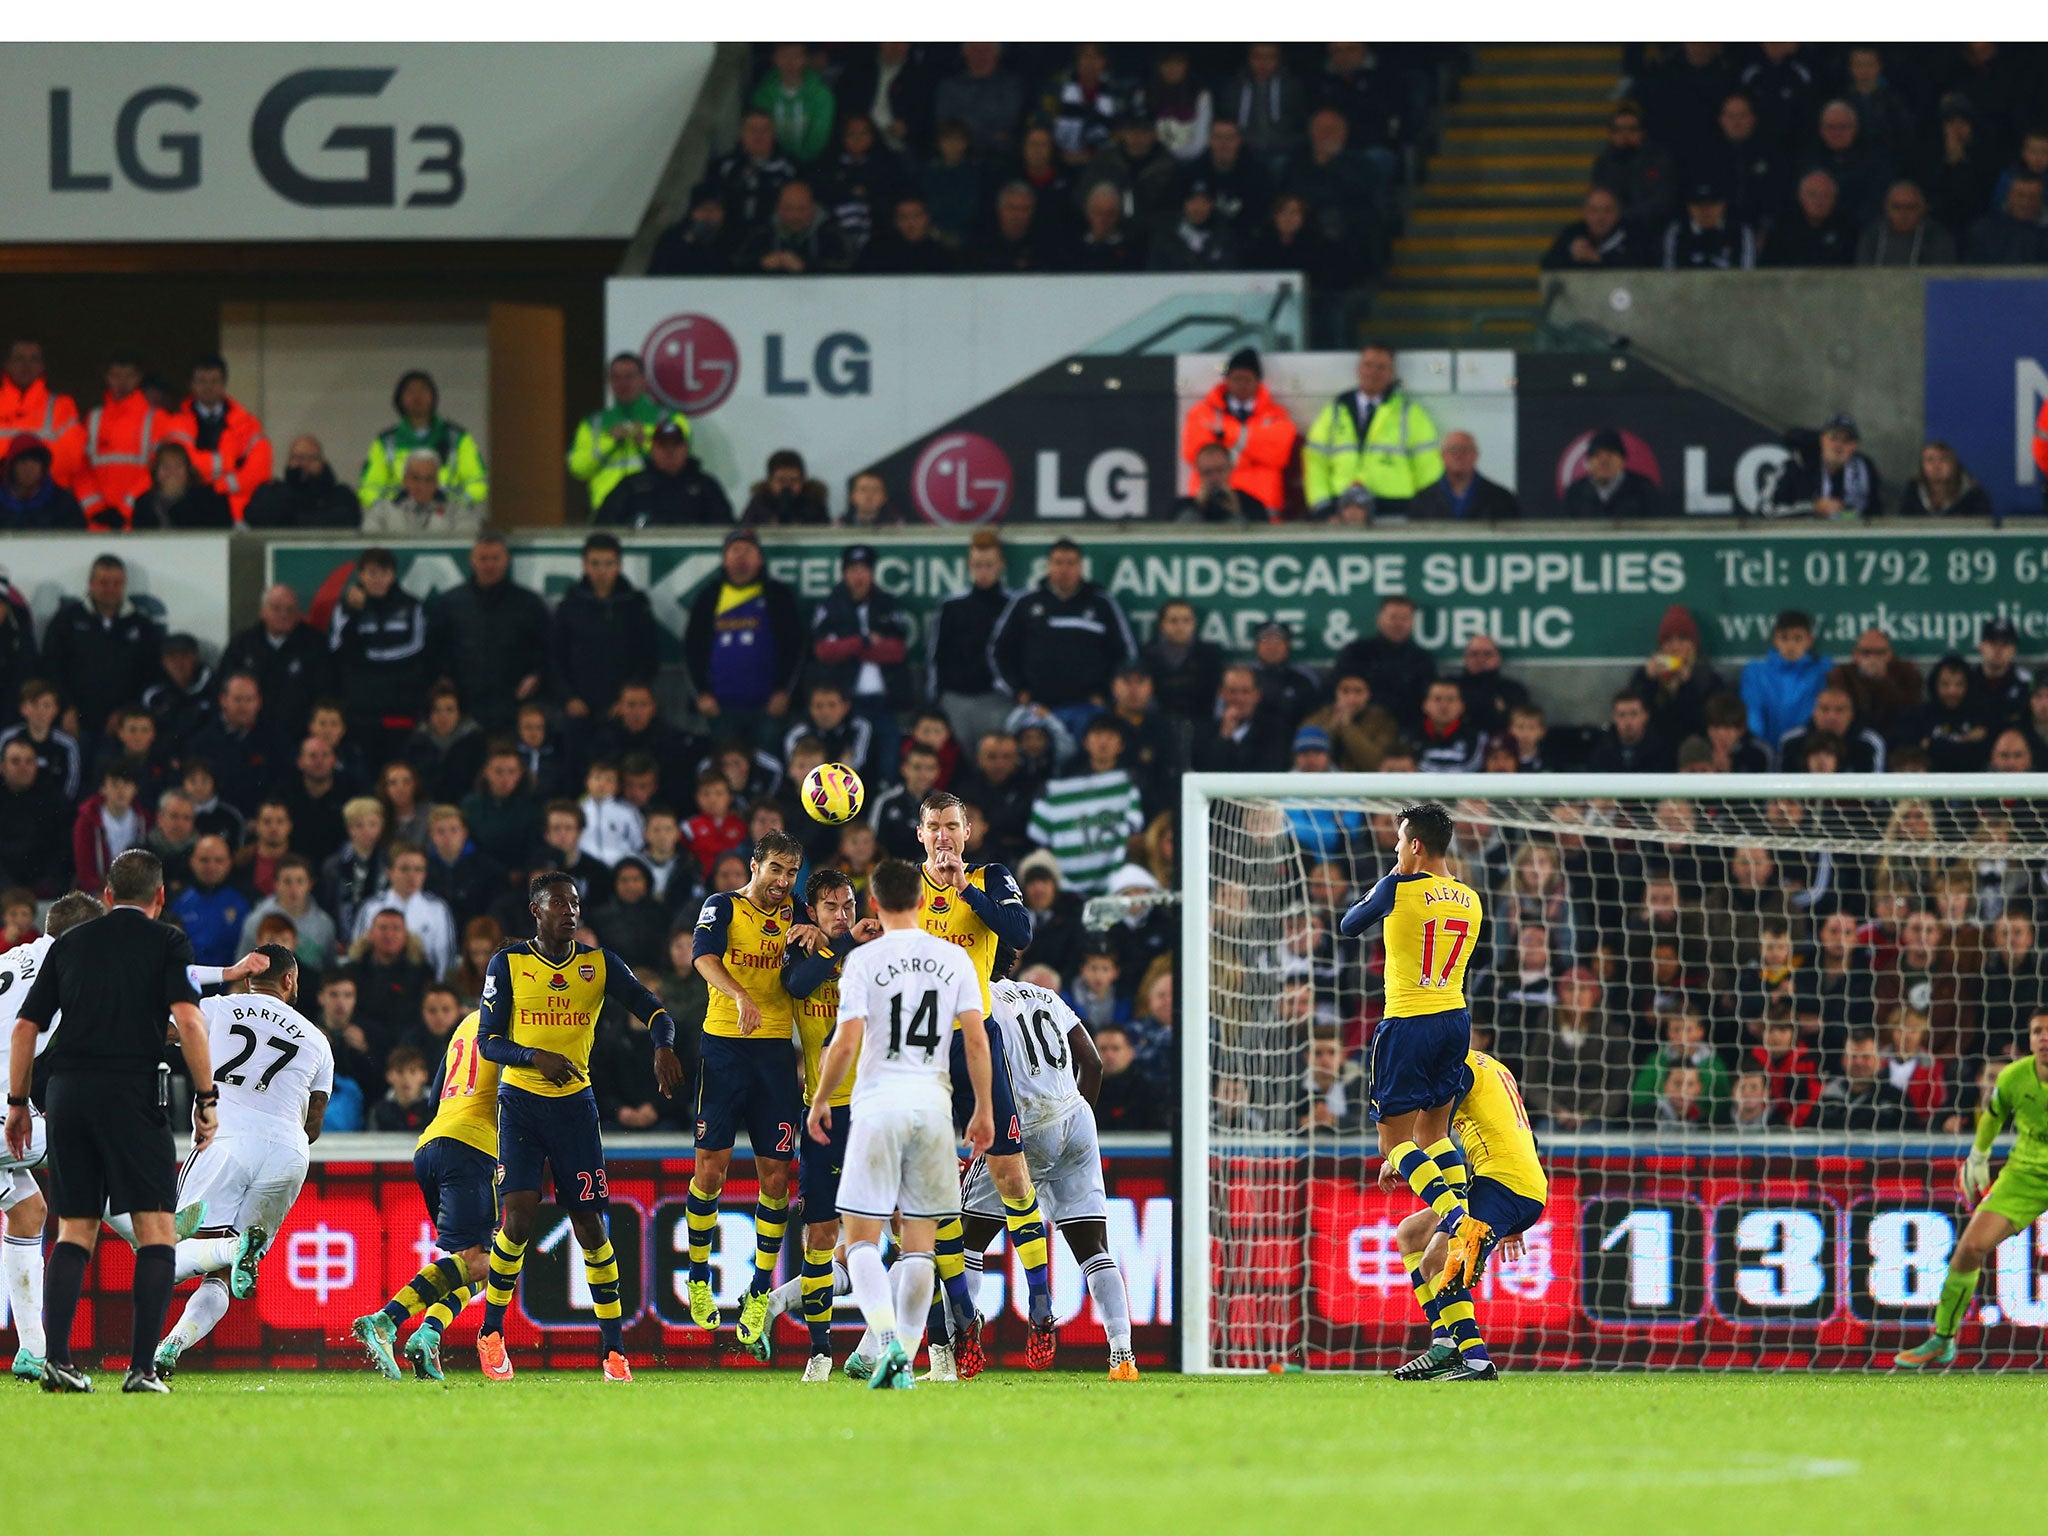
(818, 1169)
(461, 1186)
(1501, 1208)
(1009, 1134)
(751, 1084)
(562, 1133)
(1419, 1063)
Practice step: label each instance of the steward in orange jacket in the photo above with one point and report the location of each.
(28, 404)
(228, 445)
(120, 436)
(1260, 437)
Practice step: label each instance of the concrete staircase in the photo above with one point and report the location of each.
(1510, 172)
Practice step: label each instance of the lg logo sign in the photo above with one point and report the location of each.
(693, 363)
(369, 176)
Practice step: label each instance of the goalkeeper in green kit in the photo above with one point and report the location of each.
(2014, 1201)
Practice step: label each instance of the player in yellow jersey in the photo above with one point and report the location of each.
(1430, 928)
(538, 1020)
(1507, 1192)
(456, 1163)
(975, 907)
(746, 1076)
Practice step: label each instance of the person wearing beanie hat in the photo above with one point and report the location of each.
(1240, 415)
(1675, 684)
(1608, 490)
(669, 490)
(1828, 476)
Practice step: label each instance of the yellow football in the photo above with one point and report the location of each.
(833, 792)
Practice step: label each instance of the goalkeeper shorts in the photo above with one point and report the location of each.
(1419, 1063)
(2020, 1195)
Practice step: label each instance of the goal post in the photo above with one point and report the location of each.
(1751, 1015)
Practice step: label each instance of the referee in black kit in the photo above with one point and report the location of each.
(115, 978)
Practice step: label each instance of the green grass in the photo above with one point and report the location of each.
(754, 1451)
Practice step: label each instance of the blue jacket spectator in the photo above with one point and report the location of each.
(210, 909)
(1780, 688)
(344, 1106)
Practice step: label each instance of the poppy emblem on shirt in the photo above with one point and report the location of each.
(587, 972)
(770, 927)
(940, 904)
(558, 982)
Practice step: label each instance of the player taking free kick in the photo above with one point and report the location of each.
(2012, 1202)
(1419, 1072)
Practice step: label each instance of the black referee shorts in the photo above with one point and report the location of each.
(110, 1146)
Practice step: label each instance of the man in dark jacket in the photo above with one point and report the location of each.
(603, 634)
(1059, 644)
(637, 729)
(291, 661)
(1004, 793)
(1630, 744)
(182, 704)
(1609, 488)
(1600, 238)
(1643, 176)
(1828, 475)
(859, 640)
(671, 492)
(1461, 494)
(1397, 670)
(744, 643)
(30, 501)
(35, 823)
(381, 651)
(1819, 234)
(1490, 694)
(102, 653)
(490, 634)
(959, 678)
(468, 880)
(245, 754)
(1243, 736)
(307, 497)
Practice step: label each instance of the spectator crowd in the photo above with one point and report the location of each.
(1809, 155)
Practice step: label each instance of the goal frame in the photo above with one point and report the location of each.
(1195, 1296)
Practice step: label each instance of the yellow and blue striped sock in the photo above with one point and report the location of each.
(442, 1314)
(1451, 1163)
(771, 1222)
(1455, 1309)
(1426, 1179)
(506, 1259)
(434, 1281)
(701, 1211)
(1027, 1236)
(949, 1257)
(1426, 1289)
(817, 1298)
(601, 1270)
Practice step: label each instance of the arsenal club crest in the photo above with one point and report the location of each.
(587, 972)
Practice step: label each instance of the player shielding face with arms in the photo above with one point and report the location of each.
(2012, 1202)
(1430, 927)
(900, 999)
(1507, 1192)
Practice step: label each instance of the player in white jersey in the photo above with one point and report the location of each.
(900, 998)
(275, 1071)
(1055, 1075)
(21, 1198)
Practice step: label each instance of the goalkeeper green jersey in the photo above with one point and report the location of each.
(2021, 1097)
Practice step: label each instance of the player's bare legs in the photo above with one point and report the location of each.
(894, 1311)
(1974, 1250)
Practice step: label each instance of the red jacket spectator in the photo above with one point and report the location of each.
(120, 437)
(91, 848)
(1795, 1080)
(1260, 436)
(28, 404)
(710, 837)
(229, 449)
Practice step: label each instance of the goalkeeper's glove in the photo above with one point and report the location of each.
(1976, 1174)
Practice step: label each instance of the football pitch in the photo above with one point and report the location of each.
(1009, 1452)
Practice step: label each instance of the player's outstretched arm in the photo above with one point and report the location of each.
(1377, 904)
(981, 1129)
(627, 990)
(998, 903)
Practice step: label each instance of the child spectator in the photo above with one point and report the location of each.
(1088, 818)
(17, 918)
(407, 1106)
(1771, 976)
(1912, 1069)
(1736, 749)
(857, 854)
(1127, 1100)
(211, 815)
(1526, 726)
(1779, 689)
(1681, 1098)
(356, 870)
(135, 738)
(1790, 1071)
(728, 873)
(548, 766)
(1333, 1088)
(716, 828)
(895, 811)
(678, 880)
(481, 938)
(57, 754)
(562, 829)
(109, 824)
(842, 736)
(1684, 1051)
(270, 842)
(932, 729)
(1093, 995)
(611, 828)
(329, 722)
(1750, 1109)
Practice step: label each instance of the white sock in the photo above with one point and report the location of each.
(21, 1261)
(1106, 1285)
(204, 1255)
(124, 1228)
(914, 1276)
(786, 1297)
(209, 1304)
(867, 1348)
(842, 1282)
(871, 1294)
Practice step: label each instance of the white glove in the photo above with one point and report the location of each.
(1976, 1175)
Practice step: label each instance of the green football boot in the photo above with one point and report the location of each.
(703, 1306)
(376, 1334)
(423, 1349)
(752, 1331)
(1935, 1349)
(1427, 1366)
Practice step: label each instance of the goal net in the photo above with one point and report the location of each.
(1751, 1019)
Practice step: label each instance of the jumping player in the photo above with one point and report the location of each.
(1432, 924)
(539, 1017)
(1507, 1192)
(1055, 1074)
(900, 998)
